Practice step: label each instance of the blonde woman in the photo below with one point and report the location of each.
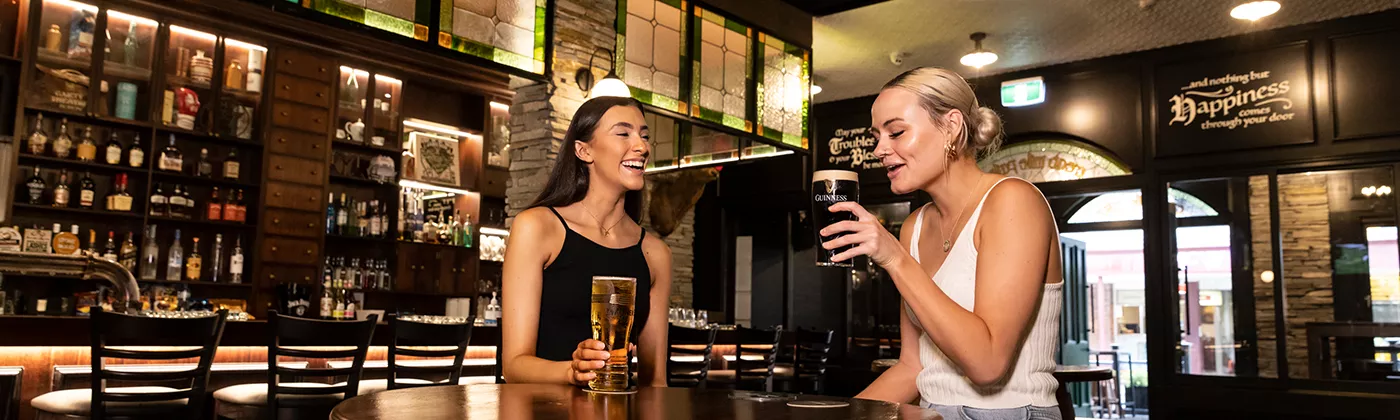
(979, 273)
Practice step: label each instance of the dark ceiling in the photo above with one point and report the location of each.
(827, 7)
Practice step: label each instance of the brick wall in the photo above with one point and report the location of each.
(541, 112)
(1307, 261)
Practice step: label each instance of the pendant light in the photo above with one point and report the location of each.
(610, 85)
(978, 57)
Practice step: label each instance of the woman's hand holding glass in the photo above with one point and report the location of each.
(869, 237)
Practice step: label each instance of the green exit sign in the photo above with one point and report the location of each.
(1022, 92)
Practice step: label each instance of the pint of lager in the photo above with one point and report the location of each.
(828, 188)
(614, 301)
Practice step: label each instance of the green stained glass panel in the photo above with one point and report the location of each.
(784, 91)
(509, 32)
(722, 68)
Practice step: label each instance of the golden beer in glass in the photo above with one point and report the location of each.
(614, 301)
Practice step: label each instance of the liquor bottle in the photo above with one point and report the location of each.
(230, 207)
(65, 243)
(467, 237)
(241, 209)
(401, 221)
(60, 190)
(361, 220)
(493, 311)
(235, 262)
(231, 165)
(114, 146)
(135, 156)
(38, 138)
(87, 150)
(255, 70)
(338, 312)
(92, 244)
(203, 168)
(150, 255)
(385, 276)
(383, 221)
(177, 204)
(121, 199)
(327, 273)
(160, 204)
(194, 263)
(350, 306)
(63, 145)
(127, 255)
(130, 45)
(327, 303)
(218, 254)
(109, 252)
(171, 159)
(190, 212)
(338, 278)
(330, 214)
(373, 219)
(80, 29)
(341, 217)
(352, 274)
(457, 228)
(215, 211)
(36, 187)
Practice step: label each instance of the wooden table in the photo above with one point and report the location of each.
(546, 402)
(1077, 373)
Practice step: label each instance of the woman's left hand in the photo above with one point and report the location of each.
(866, 233)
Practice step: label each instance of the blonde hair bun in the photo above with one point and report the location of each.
(941, 90)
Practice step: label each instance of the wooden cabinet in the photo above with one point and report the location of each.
(272, 274)
(303, 91)
(298, 170)
(301, 117)
(304, 64)
(293, 223)
(292, 196)
(276, 249)
(296, 143)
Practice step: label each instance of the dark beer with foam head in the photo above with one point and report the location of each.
(828, 188)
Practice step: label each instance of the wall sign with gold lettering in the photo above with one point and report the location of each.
(1243, 101)
(1052, 160)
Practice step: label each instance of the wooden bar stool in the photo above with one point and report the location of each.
(116, 336)
(308, 339)
(409, 339)
(689, 352)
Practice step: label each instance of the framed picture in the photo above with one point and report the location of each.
(436, 158)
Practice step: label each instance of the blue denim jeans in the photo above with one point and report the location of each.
(959, 412)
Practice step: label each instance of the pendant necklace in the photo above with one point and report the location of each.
(947, 242)
(606, 231)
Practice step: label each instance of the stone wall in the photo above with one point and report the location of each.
(541, 112)
(1307, 265)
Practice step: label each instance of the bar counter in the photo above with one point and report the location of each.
(48, 331)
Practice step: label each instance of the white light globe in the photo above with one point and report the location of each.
(610, 86)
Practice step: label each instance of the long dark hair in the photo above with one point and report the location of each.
(568, 181)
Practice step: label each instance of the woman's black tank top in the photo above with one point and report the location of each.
(568, 289)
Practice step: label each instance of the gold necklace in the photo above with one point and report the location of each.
(606, 231)
(947, 243)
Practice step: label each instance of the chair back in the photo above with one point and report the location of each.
(755, 356)
(410, 338)
(810, 356)
(115, 335)
(693, 347)
(308, 338)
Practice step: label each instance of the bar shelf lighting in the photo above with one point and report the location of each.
(438, 128)
(494, 231)
(408, 183)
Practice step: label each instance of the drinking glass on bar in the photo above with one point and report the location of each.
(614, 300)
(828, 188)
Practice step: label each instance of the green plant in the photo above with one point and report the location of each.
(1139, 379)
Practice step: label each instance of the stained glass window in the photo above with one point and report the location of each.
(706, 146)
(651, 50)
(665, 142)
(509, 32)
(783, 91)
(403, 17)
(723, 68)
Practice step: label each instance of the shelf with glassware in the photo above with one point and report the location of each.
(212, 85)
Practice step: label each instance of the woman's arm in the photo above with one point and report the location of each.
(522, 280)
(1014, 242)
(652, 351)
(896, 385)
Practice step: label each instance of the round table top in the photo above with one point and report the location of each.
(1083, 373)
(546, 402)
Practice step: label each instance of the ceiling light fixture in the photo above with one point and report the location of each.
(1255, 10)
(978, 57)
(816, 89)
(611, 85)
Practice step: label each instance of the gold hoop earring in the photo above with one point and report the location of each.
(951, 152)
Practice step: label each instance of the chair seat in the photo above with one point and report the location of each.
(376, 385)
(783, 371)
(78, 402)
(256, 394)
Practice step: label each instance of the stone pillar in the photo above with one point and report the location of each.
(1305, 237)
(541, 113)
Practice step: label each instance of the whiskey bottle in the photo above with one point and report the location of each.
(361, 220)
(330, 214)
(215, 211)
(109, 252)
(193, 264)
(127, 255)
(92, 244)
(230, 207)
(203, 168)
(218, 254)
(171, 159)
(150, 255)
(135, 156)
(177, 204)
(338, 312)
(190, 212)
(160, 204)
(383, 221)
(38, 138)
(231, 165)
(114, 147)
(373, 219)
(60, 191)
(63, 145)
(176, 261)
(235, 262)
(327, 303)
(242, 209)
(342, 216)
(36, 186)
(87, 191)
(87, 149)
(121, 199)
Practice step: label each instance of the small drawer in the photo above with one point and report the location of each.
(298, 170)
(297, 143)
(292, 223)
(301, 117)
(293, 196)
(304, 64)
(290, 251)
(274, 274)
(306, 91)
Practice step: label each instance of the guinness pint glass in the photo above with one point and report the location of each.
(614, 300)
(828, 188)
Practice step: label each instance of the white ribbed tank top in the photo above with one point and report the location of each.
(1031, 380)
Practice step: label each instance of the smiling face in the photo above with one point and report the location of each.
(910, 142)
(617, 154)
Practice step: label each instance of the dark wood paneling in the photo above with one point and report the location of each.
(290, 251)
(292, 196)
(301, 171)
(293, 223)
(1102, 107)
(493, 183)
(296, 143)
(1364, 84)
(306, 91)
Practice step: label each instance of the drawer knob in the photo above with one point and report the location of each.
(306, 278)
(323, 69)
(308, 252)
(274, 248)
(276, 221)
(287, 61)
(272, 277)
(286, 87)
(314, 172)
(281, 140)
(320, 94)
(316, 120)
(315, 146)
(277, 195)
(311, 198)
(284, 113)
(279, 167)
(310, 225)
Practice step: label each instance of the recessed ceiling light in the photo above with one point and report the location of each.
(1255, 10)
(978, 57)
